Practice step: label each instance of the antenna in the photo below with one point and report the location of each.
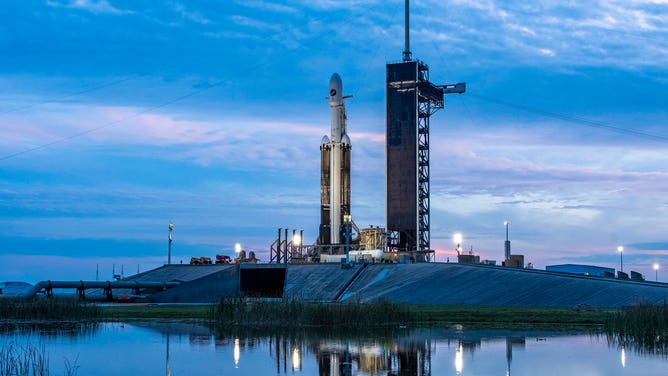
(407, 40)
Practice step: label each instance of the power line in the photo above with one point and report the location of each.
(147, 110)
(85, 91)
(109, 124)
(573, 119)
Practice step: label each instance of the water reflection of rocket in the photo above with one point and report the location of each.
(335, 168)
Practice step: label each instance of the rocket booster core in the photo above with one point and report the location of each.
(335, 174)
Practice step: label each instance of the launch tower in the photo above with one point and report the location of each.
(411, 100)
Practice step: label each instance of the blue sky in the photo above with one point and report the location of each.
(117, 117)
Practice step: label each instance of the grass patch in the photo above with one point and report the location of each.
(48, 309)
(123, 312)
(239, 311)
(286, 313)
(508, 315)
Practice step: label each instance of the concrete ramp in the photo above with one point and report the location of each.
(318, 282)
(199, 283)
(222, 281)
(488, 285)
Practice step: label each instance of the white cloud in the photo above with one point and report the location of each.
(269, 6)
(93, 6)
(546, 52)
(192, 16)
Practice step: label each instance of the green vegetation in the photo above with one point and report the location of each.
(45, 309)
(16, 360)
(291, 313)
(644, 327)
(509, 315)
(287, 313)
(124, 312)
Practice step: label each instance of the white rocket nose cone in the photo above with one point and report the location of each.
(335, 88)
(325, 140)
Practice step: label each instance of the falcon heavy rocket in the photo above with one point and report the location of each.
(335, 169)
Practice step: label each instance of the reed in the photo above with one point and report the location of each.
(17, 360)
(286, 313)
(643, 327)
(54, 308)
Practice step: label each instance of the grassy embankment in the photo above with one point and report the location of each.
(51, 309)
(648, 320)
(124, 312)
(286, 313)
(236, 311)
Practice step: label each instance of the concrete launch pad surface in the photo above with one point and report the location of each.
(488, 285)
(425, 283)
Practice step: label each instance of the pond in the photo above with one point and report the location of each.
(153, 348)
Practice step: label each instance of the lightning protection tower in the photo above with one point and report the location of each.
(411, 100)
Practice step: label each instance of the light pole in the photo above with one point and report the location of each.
(296, 244)
(169, 246)
(620, 249)
(506, 245)
(656, 271)
(457, 239)
(237, 251)
(347, 224)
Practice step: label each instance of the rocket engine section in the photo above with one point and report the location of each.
(335, 168)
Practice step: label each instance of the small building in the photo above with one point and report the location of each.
(468, 259)
(635, 276)
(588, 270)
(514, 261)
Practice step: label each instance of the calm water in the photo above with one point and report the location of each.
(188, 349)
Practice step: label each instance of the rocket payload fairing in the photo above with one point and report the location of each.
(335, 168)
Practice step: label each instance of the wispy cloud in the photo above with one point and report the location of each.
(269, 6)
(93, 6)
(191, 15)
(607, 31)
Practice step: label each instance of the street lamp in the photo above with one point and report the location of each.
(656, 271)
(347, 230)
(169, 246)
(506, 244)
(457, 239)
(620, 249)
(237, 248)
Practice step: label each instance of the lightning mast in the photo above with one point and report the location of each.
(411, 100)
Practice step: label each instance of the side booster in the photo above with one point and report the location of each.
(335, 168)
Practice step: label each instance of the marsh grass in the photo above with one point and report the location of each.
(286, 313)
(643, 327)
(17, 360)
(54, 308)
